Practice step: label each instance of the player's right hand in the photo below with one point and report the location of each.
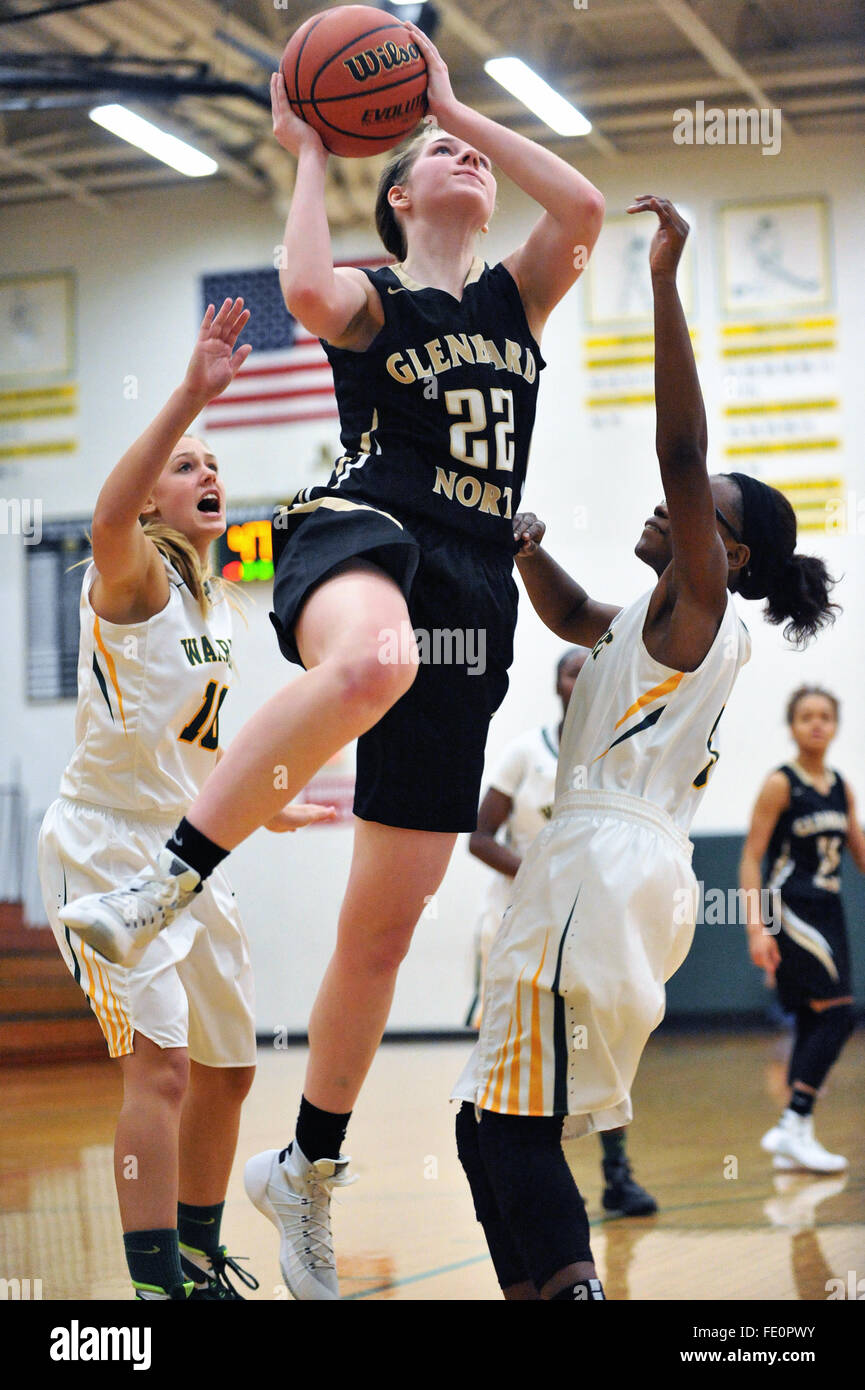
(669, 240)
(289, 129)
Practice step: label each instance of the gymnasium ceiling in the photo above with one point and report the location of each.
(627, 64)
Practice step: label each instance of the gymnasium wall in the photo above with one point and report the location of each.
(138, 269)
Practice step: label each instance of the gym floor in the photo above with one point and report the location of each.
(728, 1228)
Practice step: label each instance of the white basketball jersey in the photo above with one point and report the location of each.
(636, 726)
(526, 773)
(149, 698)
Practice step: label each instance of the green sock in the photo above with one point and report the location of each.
(153, 1258)
(198, 1227)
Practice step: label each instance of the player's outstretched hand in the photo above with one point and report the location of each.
(298, 814)
(289, 129)
(528, 533)
(764, 953)
(439, 93)
(214, 362)
(669, 240)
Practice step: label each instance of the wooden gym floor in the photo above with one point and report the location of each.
(728, 1228)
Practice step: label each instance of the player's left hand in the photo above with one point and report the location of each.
(669, 240)
(298, 814)
(439, 93)
(528, 533)
(214, 362)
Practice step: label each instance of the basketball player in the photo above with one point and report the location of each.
(803, 817)
(520, 797)
(603, 906)
(436, 364)
(154, 668)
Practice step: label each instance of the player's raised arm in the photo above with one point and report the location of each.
(552, 257)
(559, 601)
(329, 303)
(126, 560)
(699, 556)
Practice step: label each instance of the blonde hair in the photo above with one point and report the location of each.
(206, 587)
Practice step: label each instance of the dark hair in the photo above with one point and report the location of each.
(796, 587)
(805, 690)
(396, 171)
(565, 657)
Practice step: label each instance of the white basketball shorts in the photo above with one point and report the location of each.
(193, 986)
(602, 914)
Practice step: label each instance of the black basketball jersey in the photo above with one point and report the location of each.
(804, 855)
(436, 415)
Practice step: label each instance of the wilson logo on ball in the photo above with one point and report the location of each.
(386, 56)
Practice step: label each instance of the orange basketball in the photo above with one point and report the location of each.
(355, 76)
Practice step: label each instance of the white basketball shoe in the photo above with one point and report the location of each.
(121, 924)
(295, 1195)
(793, 1142)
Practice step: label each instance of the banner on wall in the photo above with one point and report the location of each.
(778, 353)
(38, 398)
(619, 344)
(286, 379)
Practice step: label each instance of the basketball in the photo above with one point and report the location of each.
(354, 75)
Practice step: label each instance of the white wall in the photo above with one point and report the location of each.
(137, 274)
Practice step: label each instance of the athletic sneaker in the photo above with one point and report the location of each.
(792, 1138)
(121, 924)
(210, 1277)
(622, 1194)
(152, 1293)
(295, 1195)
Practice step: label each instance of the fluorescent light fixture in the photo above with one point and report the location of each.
(158, 143)
(519, 79)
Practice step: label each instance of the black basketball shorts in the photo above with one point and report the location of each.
(420, 766)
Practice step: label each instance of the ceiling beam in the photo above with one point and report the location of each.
(714, 51)
(486, 46)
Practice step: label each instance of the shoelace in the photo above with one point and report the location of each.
(222, 1261)
(135, 908)
(317, 1222)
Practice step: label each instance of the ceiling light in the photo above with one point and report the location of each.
(519, 79)
(158, 143)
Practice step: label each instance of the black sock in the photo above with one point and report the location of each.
(583, 1291)
(801, 1102)
(319, 1133)
(153, 1259)
(195, 849)
(198, 1227)
(613, 1143)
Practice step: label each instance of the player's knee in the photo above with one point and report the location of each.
(165, 1078)
(369, 679)
(838, 1023)
(384, 952)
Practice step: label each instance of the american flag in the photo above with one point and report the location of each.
(286, 378)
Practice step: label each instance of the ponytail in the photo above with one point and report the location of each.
(796, 587)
